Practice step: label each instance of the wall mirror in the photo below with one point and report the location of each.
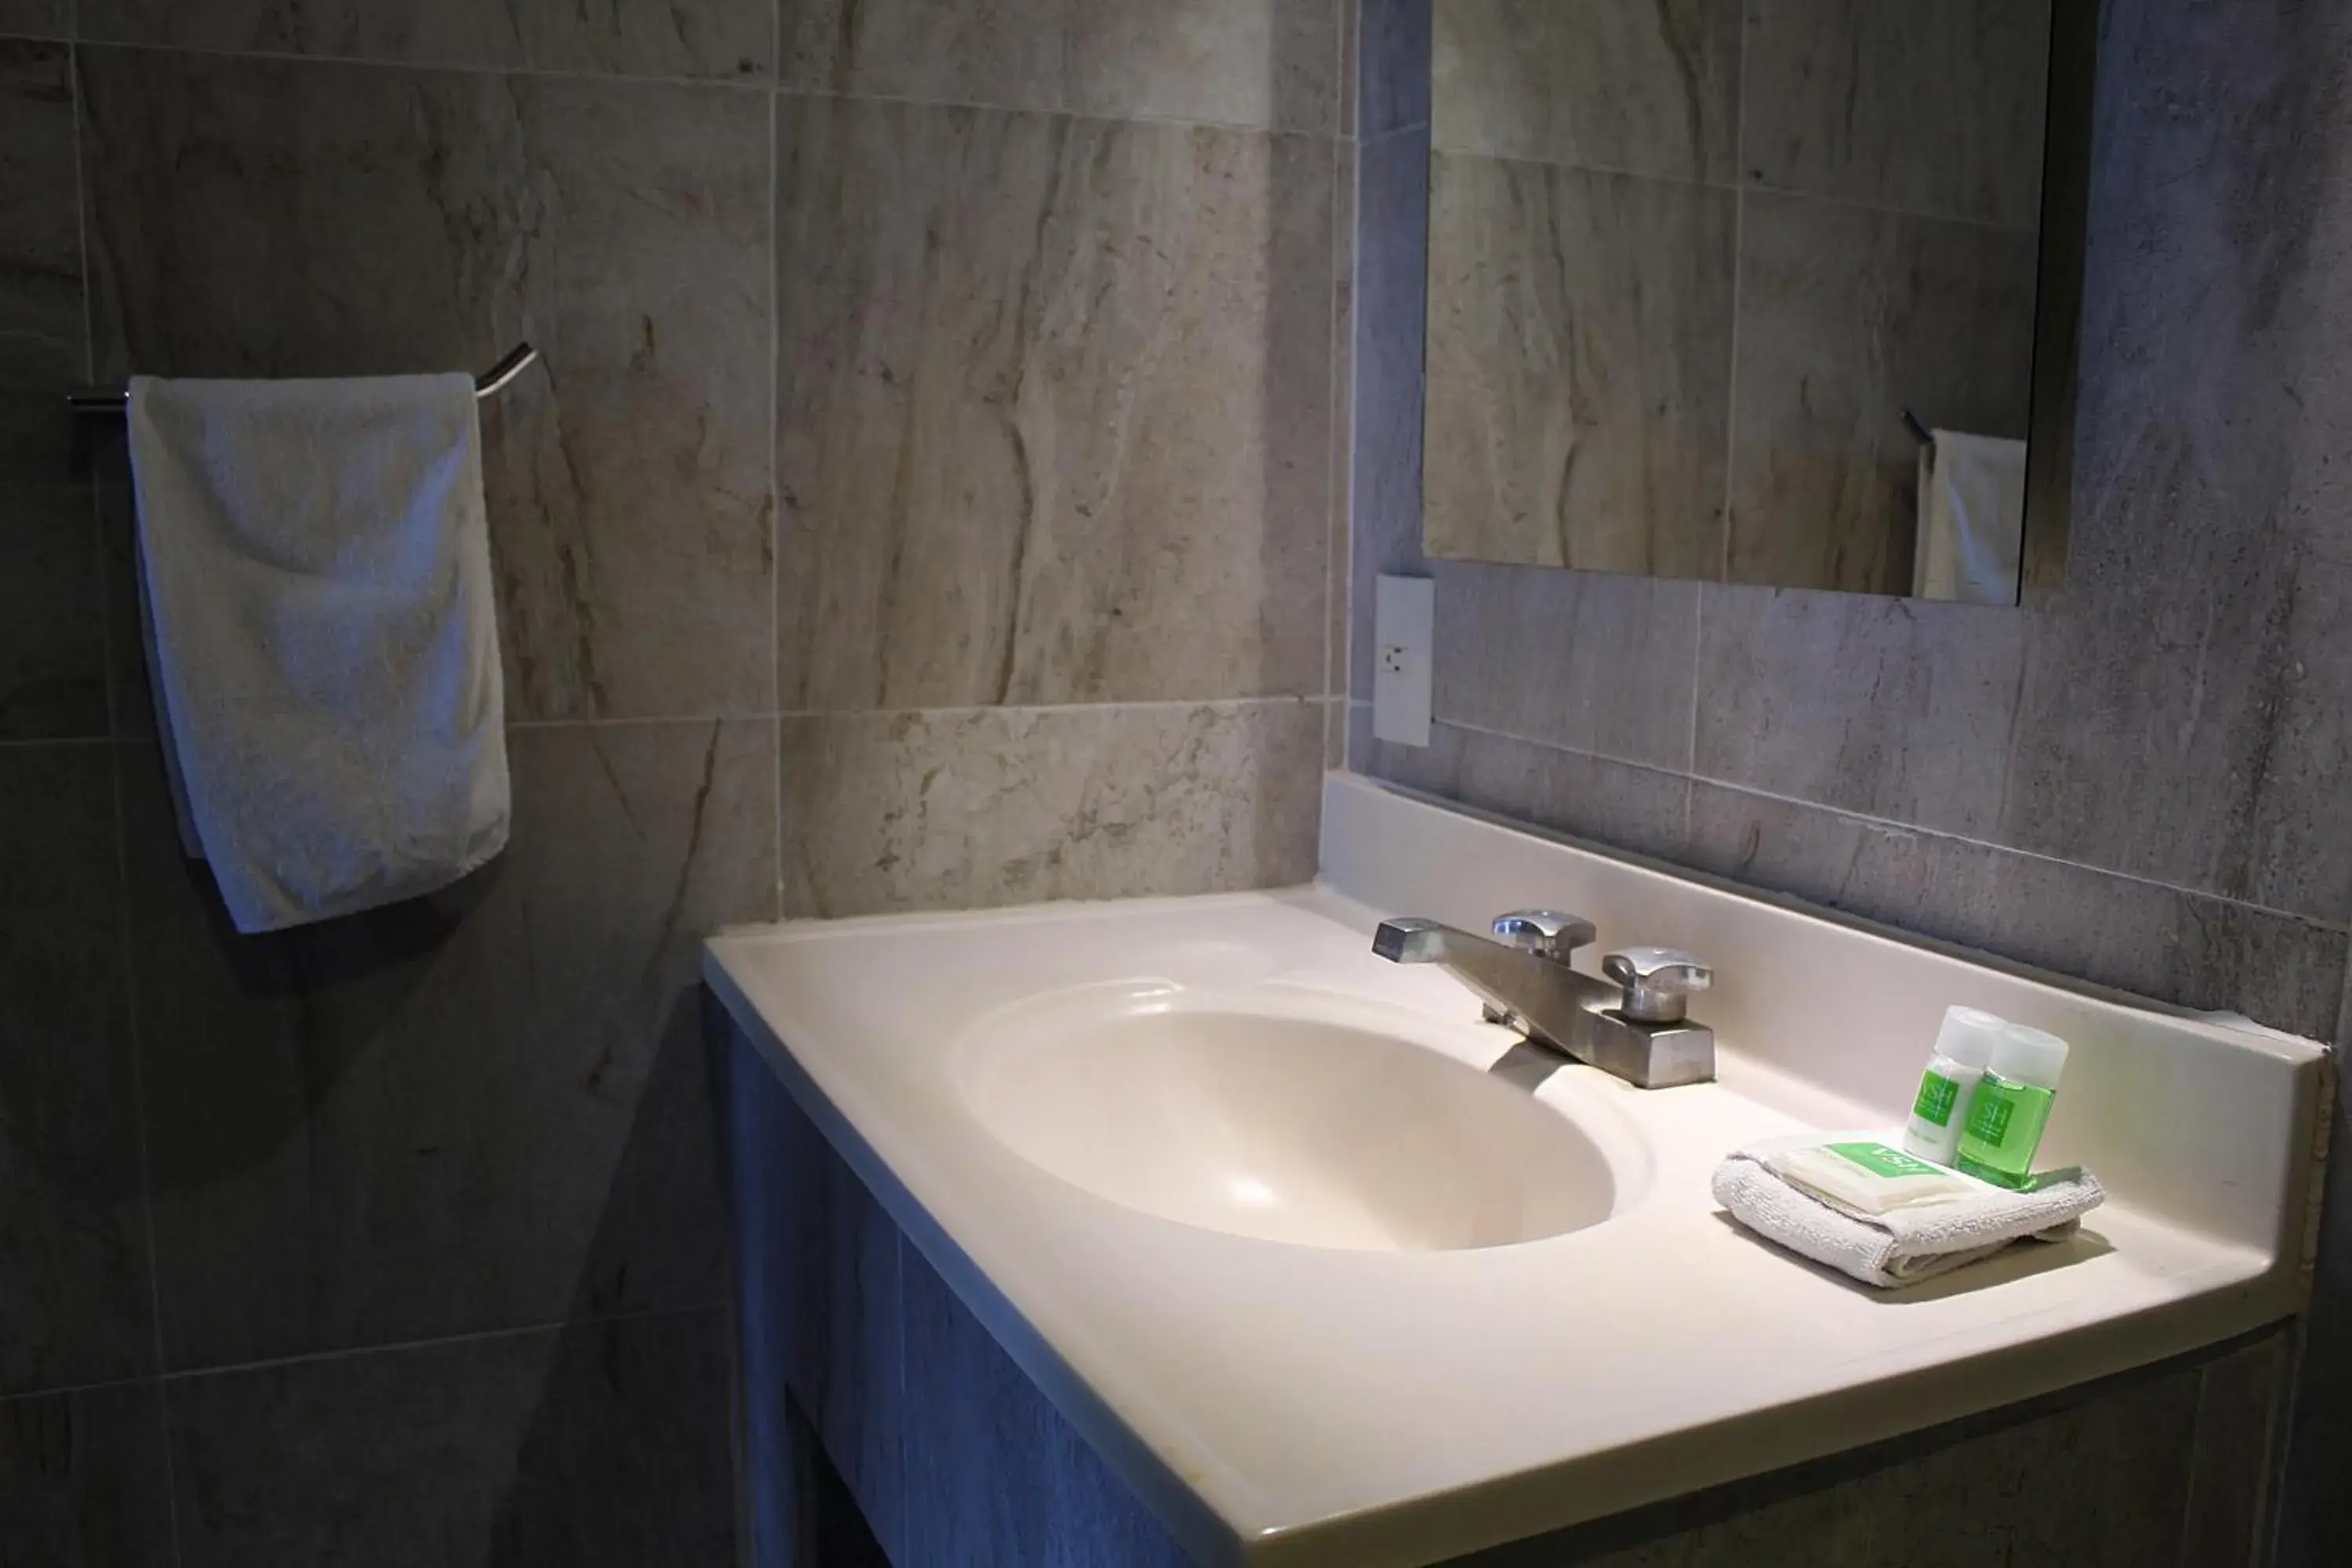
(1767, 292)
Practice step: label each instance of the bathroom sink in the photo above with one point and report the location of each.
(1289, 1118)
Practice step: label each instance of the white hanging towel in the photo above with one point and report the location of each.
(317, 575)
(1972, 518)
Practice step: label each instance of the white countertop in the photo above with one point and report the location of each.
(1284, 1404)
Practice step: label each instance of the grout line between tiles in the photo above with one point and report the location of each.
(35, 742)
(443, 1341)
(70, 1390)
(1179, 121)
(127, 967)
(1277, 700)
(445, 68)
(775, 477)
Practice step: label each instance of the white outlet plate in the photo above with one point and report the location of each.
(1404, 636)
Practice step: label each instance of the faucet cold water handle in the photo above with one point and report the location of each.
(1658, 982)
(1545, 932)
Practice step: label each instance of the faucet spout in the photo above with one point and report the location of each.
(1526, 983)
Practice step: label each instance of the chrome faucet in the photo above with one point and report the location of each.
(1635, 1028)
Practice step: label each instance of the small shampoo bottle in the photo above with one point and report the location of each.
(1963, 1050)
(2011, 1106)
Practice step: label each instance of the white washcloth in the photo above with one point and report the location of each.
(1908, 1245)
(1972, 518)
(317, 569)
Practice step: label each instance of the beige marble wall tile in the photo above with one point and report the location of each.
(2178, 947)
(1055, 409)
(485, 1109)
(1567, 792)
(52, 647)
(1846, 318)
(1931, 106)
(1261, 63)
(600, 1446)
(960, 810)
(1897, 709)
(86, 1484)
(727, 39)
(1592, 662)
(35, 18)
(266, 218)
(1580, 356)
(1648, 87)
(75, 1293)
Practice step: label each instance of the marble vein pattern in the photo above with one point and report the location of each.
(1934, 107)
(1643, 87)
(1055, 409)
(982, 807)
(1266, 63)
(52, 648)
(1580, 357)
(75, 1291)
(35, 18)
(82, 1479)
(487, 1109)
(1847, 317)
(621, 227)
(726, 40)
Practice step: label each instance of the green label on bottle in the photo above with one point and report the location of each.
(1938, 1095)
(1989, 1115)
(1881, 1160)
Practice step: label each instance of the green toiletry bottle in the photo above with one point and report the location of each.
(2011, 1106)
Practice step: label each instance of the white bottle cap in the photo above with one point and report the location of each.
(1969, 1036)
(2030, 1056)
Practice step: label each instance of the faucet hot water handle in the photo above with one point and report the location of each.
(1658, 982)
(1548, 933)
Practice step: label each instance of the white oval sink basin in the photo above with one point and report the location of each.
(1282, 1124)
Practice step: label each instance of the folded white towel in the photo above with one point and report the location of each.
(317, 569)
(1906, 1245)
(1972, 518)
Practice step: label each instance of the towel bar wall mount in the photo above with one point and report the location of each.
(490, 383)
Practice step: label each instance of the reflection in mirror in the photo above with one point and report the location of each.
(1737, 289)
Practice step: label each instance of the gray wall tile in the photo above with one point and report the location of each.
(1591, 798)
(74, 1290)
(1579, 368)
(1615, 653)
(1933, 106)
(52, 647)
(1897, 709)
(2159, 942)
(966, 809)
(36, 18)
(82, 1480)
(1847, 317)
(621, 227)
(600, 1446)
(485, 1108)
(1647, 86)
(817, 1266)
(725, 39)
(1267, 63)
(1392, 66)
(1391, 295)
(1055, 409)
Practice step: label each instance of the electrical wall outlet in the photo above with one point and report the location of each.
(1404, 637)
